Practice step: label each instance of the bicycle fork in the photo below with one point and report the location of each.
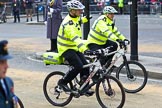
(129, 73)
(108, 91)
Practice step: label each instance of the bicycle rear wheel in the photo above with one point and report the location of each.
(133, 76)
(49, 88)
(110, 92)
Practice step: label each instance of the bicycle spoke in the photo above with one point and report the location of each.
(110, 93)
(133, 77)
(53, 93)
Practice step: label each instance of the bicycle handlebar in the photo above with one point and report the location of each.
(99, 52)
(107, 51)
(123, 44)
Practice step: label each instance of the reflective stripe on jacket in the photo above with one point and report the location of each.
(102, 30)
(69, 35)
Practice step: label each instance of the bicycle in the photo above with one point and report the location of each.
(107, 87)
(128, 71)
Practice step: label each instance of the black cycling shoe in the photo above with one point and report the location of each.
(64, 86)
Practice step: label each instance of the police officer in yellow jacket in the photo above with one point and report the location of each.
(104, 33)
(70, 44)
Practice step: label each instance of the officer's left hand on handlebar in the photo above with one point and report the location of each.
(119, 41)
(126, 42)
(88, 17)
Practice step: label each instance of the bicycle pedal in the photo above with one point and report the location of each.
(58, 89)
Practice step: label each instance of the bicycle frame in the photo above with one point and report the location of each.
(97, 66)
(118, 54)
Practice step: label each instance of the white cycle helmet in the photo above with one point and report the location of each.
(109, 9)
(74, 4)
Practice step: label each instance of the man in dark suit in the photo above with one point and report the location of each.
(16, 10)
(53, 22)
(6, 83)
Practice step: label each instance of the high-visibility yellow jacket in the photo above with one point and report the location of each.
(69, 35)
(120, 3)
(102, 30)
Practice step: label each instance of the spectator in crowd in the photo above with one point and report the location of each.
(100, 4)
(153, 1)
(142, 1)
(120, 6)
(107, 3)
(28, 4)
(6, 83)
(153, 6)
(93, 4)
(53, 22)
(16, 10)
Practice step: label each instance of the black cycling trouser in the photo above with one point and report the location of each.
(77, 60)
(109, 43)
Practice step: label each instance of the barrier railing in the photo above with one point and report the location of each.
(94, 9)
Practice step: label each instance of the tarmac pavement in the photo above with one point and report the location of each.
(153, 65)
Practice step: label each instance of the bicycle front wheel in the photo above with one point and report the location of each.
(110, 92)
(133, 76)
(52, 95)
(20, 104)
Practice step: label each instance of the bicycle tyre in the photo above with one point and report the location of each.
(47, 95)
(143, 72)
(121, 92)
(21, 105)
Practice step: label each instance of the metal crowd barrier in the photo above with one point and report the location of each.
(94, 9)
(142, 9)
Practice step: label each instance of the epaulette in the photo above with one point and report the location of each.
(71, 22)
(104, 19)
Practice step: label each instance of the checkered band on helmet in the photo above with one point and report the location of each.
(74, 4)
(109, 9)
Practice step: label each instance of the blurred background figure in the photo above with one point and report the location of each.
(53, 22)
(3, 17)
(28, 4)
(120, 6)
(100, 4)
(16, 10)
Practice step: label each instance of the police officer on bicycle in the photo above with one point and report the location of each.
(70, 45)
(104, 33)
